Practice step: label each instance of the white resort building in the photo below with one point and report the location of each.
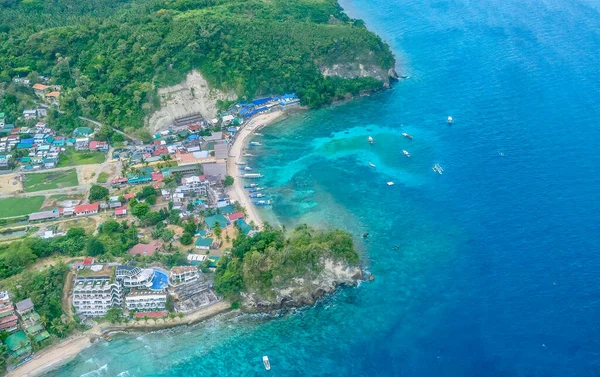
(95, 291)
(183, 274)
(134, 277)
(145, 300)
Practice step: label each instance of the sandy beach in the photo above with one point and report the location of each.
(60, 354)
(236, 191)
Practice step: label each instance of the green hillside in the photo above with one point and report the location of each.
(110, 56)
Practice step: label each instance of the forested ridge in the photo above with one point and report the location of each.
(110, 56)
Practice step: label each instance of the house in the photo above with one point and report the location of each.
(204, 243)
(228, 119)
(243, 226)
(114, 203)
(29, 114)
(145, 249)
(120, 211)
(8, 319)
(129, 196)
(214, 136)
(211, 221)
(235, 216)
(82, 132)
(52, 98)
(86, 209)
(82, 143)
(18, 345)
(40, 89)
(44, 215)
(98, 146)
(218, 169)
(221, 150)
(24, 307)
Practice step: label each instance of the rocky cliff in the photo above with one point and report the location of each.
(355, 70)
(304, 291)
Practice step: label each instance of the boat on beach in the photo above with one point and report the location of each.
(406, 153)
(258, 134)
(408, 136)
(438, 169)
(266, 362)
(371, 140)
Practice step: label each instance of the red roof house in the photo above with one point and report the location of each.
(145, 249)
(129, 196)
(121, 211)
(86, 209)
(235, 216)
(157, 176)
(151, 314)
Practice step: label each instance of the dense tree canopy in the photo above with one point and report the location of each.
(110, 56)
(269, 259)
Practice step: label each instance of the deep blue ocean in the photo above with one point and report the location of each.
(497, 266)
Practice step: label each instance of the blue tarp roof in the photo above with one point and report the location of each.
(288, 96)
(193, 136)
(244, 111)
(27, 141)
(262, 101)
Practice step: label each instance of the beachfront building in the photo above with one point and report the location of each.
(183, 274)
(196, 183)
(146, 300)
(8, 319)
(134, 277)
(95, 290)
(18, 345)
(31, 321)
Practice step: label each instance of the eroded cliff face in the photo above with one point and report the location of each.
(355, 70)
(192, 96)
(302, 291)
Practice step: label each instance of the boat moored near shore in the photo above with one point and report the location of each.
(408, 136)
(252, 175)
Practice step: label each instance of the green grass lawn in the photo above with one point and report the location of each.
(102, 177)
(72, 157)
(50, 180)
(10, 207)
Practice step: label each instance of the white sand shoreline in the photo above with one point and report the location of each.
(236, 191)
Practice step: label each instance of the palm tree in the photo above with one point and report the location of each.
(146, 318)
(136, 319)
(58, 327)
(172, 316)
(165, 317)
(155, 320)
(180, 315)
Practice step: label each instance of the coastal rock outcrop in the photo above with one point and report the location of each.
(355, 70)
(304, 291)
(192, 96)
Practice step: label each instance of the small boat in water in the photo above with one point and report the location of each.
(248, 155)
(255, 143)
(261, 203)
(371, 164)
(438, 169)
(450, 120)
(406, 153)
(390, 183)
(241, 163)
(255, 190)
(266, 362)
(258, 134)
(251, 185)
(107, 338)
(371, 140)
(408, 136)
(247, 168)
(256, 195)
(252, 175)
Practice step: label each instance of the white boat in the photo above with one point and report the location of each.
(406, 153)
(248, 155)
(255, 143)
(371, 164)
(390, 183)
(438, 169)
(258, 134)
(266, 362)
(408, 136)
(450, 120)
(252, 175)
(371, 140)
(241, 163)
(247, 168)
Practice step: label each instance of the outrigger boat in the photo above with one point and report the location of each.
(438, 169)
(255, 190)
(248, 155)
(261, 203)
(251, 185)
(266, 362)
(252, 175)
(371, 140)
(241, 163)
(406, 153)
(408, 136)
(371, 164)
(256, 195)
(390, 183)
(247, 168)
(255, 143)
(258, 134)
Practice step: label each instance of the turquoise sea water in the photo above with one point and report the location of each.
(497, 269)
